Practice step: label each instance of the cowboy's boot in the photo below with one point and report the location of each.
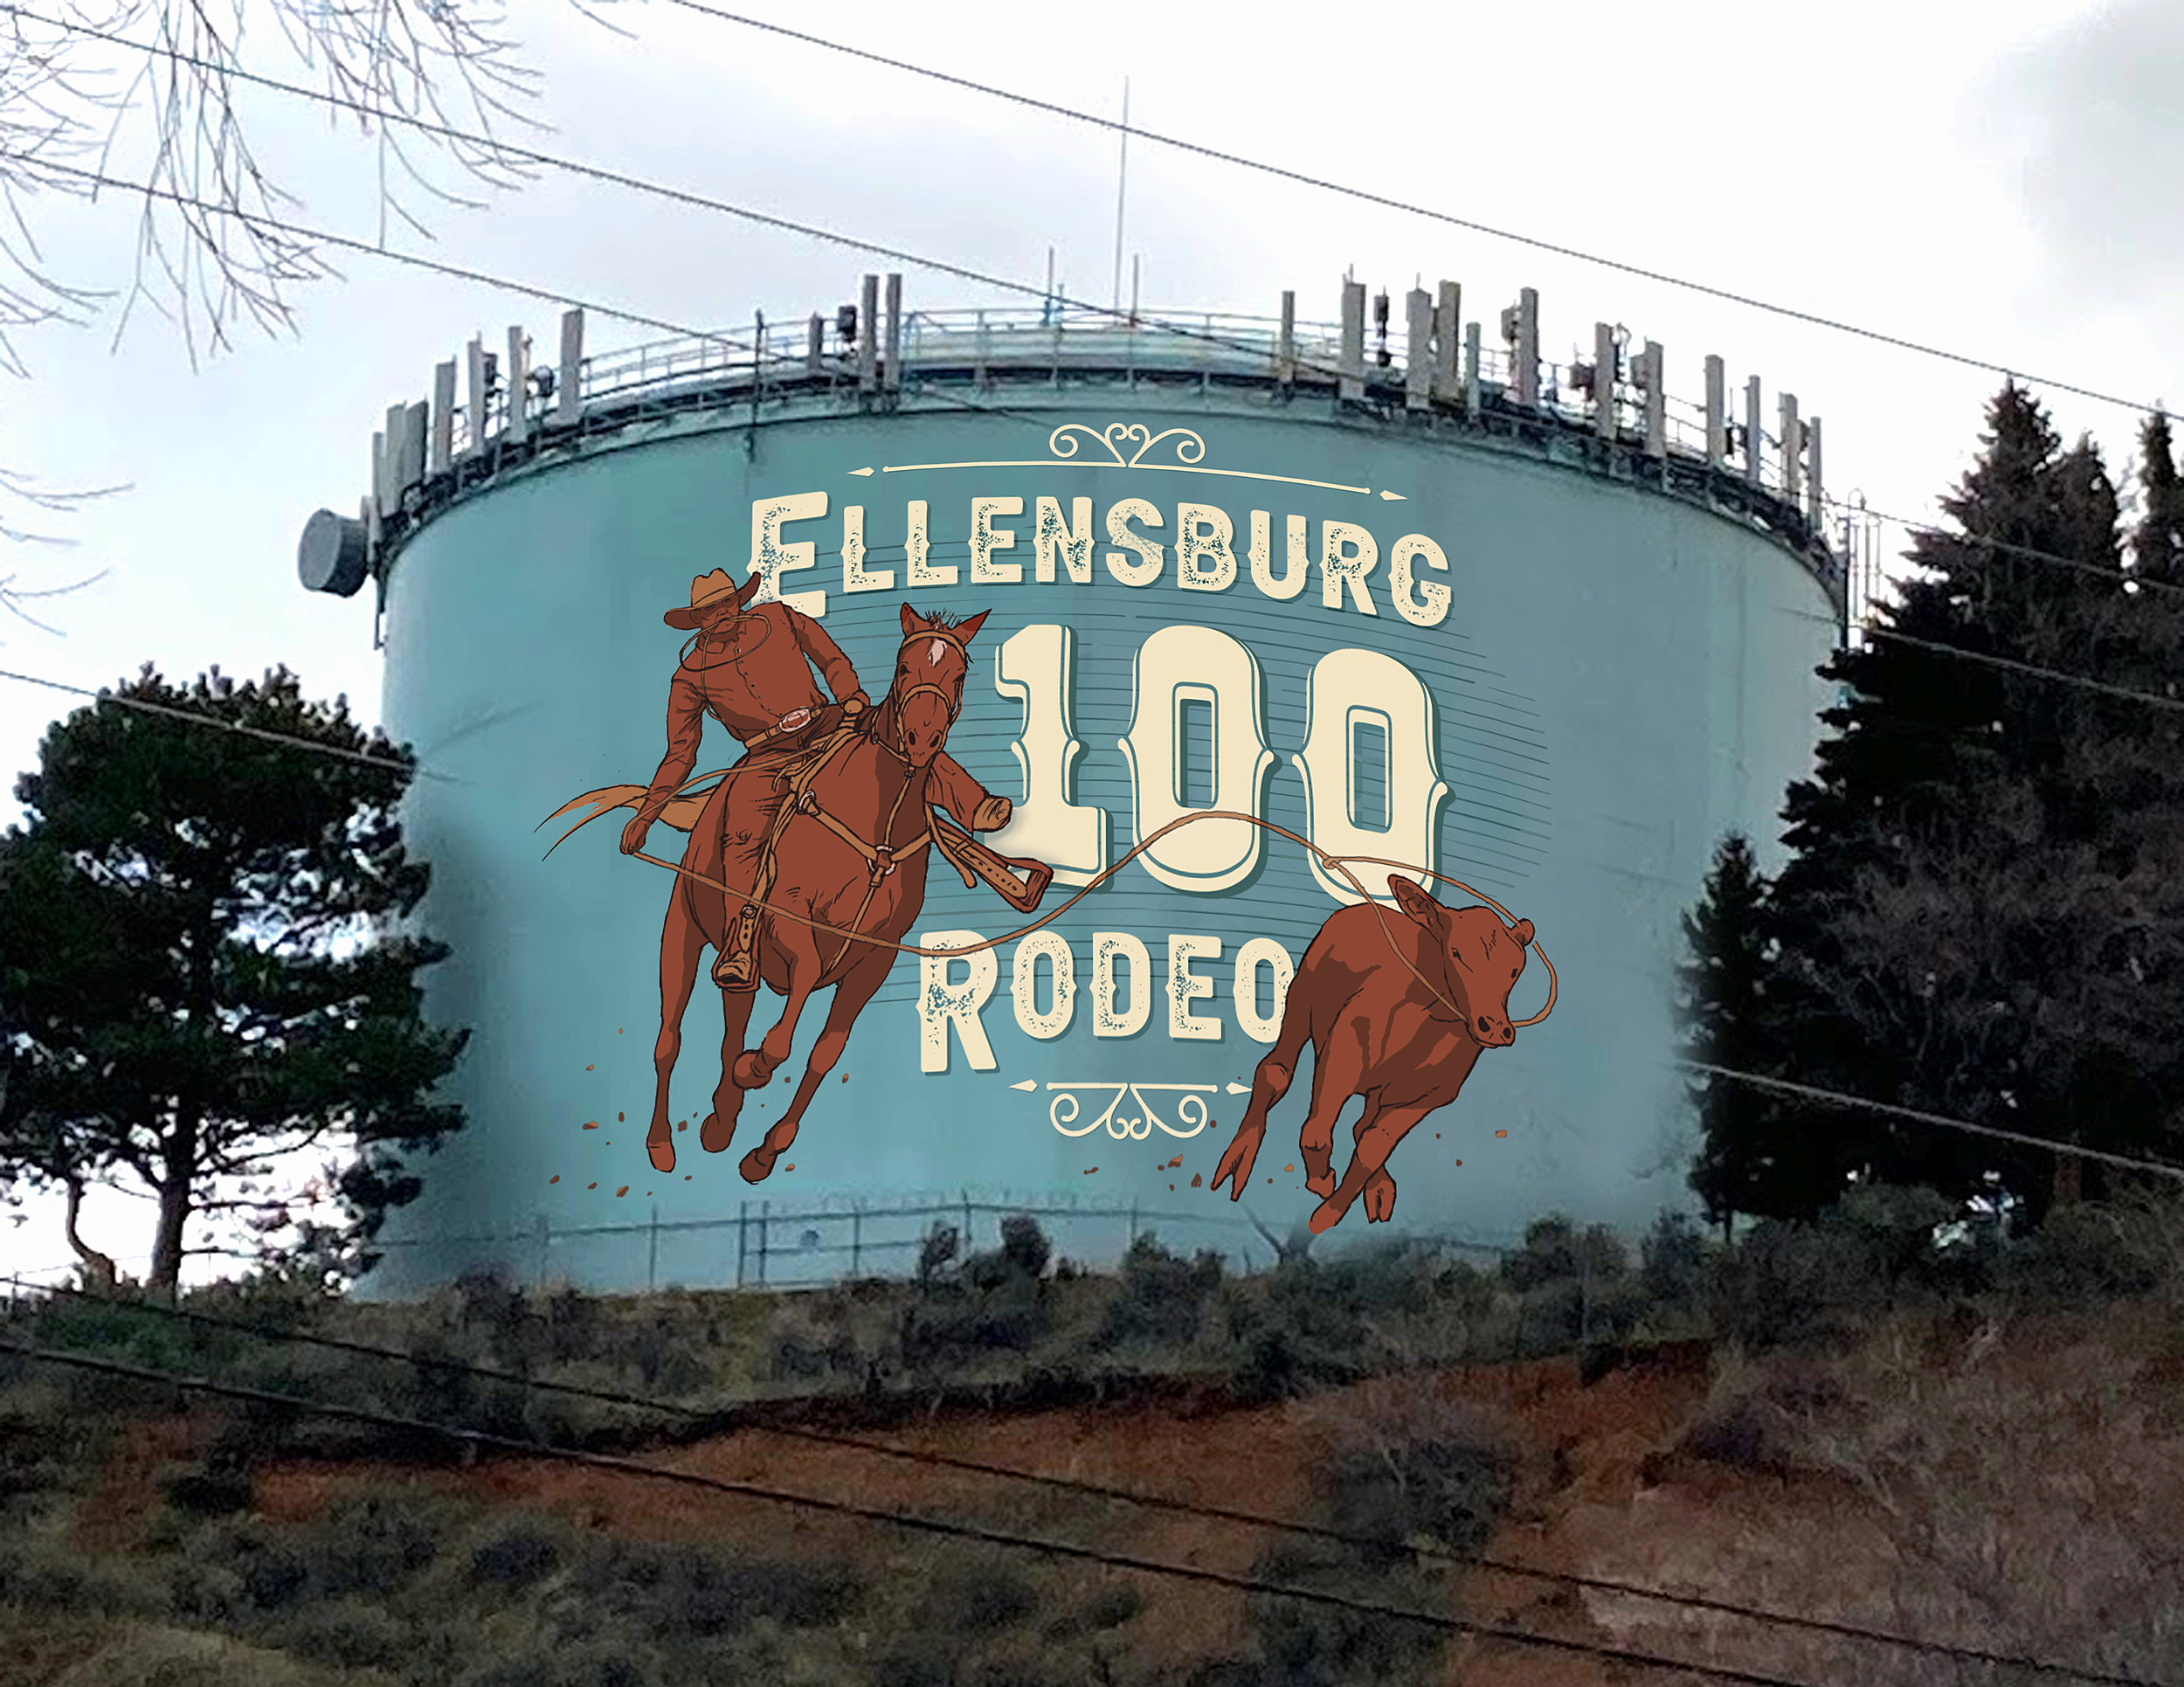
(737, 967)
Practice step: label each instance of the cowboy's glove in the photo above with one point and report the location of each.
(633, 834)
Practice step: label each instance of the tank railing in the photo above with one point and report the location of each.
(929, 337)
(781, 357)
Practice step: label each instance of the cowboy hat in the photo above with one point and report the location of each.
(709, 591)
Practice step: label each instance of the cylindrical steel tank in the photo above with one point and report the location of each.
(1235, 567)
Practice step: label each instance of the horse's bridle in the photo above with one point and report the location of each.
(954, 704)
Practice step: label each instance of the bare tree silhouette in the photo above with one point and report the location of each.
(138, 98)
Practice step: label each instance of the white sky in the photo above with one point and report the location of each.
(1996, 176)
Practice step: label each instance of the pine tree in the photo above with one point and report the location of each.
(2157, 547)
(1950, 887)
(1745, 1163)
(199, 971)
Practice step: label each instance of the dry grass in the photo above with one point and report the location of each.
(2012, 1487)
(158, 1656)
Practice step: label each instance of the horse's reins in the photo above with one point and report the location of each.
(1336, 863)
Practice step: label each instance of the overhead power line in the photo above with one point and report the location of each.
(594, 172)
(2029, 669)
(1385, 201)
(1836, 1098)
(1101, 1490)
(144, 705)
(658, 190)
(2005, 547)
(897, 1519)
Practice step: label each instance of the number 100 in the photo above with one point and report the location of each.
(1350, 691)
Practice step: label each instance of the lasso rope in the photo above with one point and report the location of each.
(1334, 863)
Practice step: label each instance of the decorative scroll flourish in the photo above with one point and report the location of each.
(1128, 1127)
(1117, 436)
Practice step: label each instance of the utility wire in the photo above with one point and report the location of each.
(2028, 668)
(232, 73)
(641, 185)
(1383, 200)
(1838, 1098)
(1980, 542)
(1153, 1502)
(542, 292)
(899, 1519)
(146, 706)
(595, 172)
(813, 231)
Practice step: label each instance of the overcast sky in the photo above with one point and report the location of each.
(1998, 178)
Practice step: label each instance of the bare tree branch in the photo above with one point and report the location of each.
(149, 89)
(45, 99)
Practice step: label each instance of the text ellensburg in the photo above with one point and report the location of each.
(1062, 546)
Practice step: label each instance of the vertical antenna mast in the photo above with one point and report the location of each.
(1121, 181)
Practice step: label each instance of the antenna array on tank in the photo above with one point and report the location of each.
(1442, 369)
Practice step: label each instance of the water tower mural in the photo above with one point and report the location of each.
(1061, 755)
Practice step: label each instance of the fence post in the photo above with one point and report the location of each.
(1133, 1221)
(966, 1223)
(743, 1241)
(764, 1208)
(856, 1236)
(652, 1259)
(545, 1245)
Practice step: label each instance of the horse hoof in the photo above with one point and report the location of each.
(750, 1070)
(756, 1166)
(1321, 1184)
(714, 1134)
(663, 1154)
(1325, 1217)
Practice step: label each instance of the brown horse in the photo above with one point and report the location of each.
(871, 787)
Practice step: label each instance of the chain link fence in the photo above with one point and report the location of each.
(776, 1244)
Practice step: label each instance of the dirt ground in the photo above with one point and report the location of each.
(1601, 1492)
(1583, 1448)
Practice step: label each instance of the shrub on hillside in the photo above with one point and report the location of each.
(1303, 1641)
(675, 1591)
(1160, 1297)
(2095, 1250)
(1794, 1283)
(350, 1634)
(43, 1442)
(1555, 1249)
(1673, 1261)
(522, 1551)
(971, 1593)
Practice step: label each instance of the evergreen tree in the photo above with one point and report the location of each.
(1952, 898)
(2157, 547)
(198, 972)
(1745, 1163)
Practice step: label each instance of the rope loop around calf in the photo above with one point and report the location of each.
(1332, 862)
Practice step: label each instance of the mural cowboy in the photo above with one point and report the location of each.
(750, 668)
